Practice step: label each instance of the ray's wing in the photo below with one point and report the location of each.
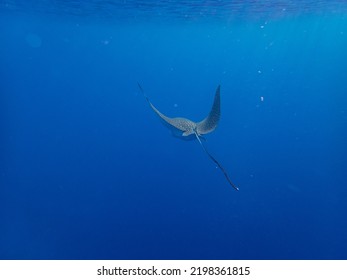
(210, 123)
(171, 123)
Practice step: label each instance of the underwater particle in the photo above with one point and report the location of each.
(175, 105)
(262, 26)
(259, 72)
(33, 40)
(261, 98)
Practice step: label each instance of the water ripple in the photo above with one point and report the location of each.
(170, 9)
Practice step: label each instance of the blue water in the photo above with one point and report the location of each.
(87, 171)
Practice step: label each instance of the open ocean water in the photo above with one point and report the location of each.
(87, 170)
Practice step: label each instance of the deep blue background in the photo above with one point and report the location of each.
(87, 171)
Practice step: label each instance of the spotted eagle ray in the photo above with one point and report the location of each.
(187, 129)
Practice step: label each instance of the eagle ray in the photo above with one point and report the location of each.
(187, 129)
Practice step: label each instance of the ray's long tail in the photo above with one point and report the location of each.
(216, 162)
